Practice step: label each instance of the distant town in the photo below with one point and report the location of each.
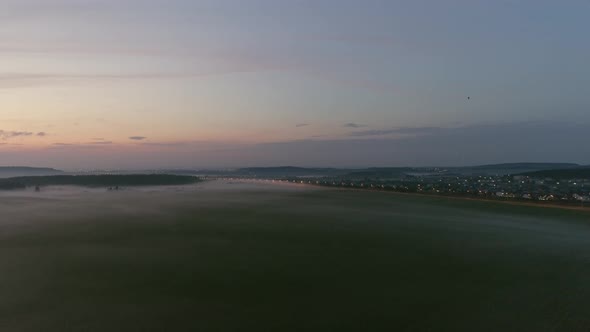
(517, 187)
(566, 184)
(560, 183)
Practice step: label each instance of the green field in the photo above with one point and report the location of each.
(239, 257)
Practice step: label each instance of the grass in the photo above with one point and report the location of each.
(292, 261)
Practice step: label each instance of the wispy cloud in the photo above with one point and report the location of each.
(15, 80)
(11, 134)
(400, 131)
(165, 144)
(468, 144)
(18, 80)
(353, 125)
(299, 125)
(97, 145)
(8, 134)
(137, 138)
(101, 143)
(230, 65)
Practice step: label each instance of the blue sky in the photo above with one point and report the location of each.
(337, 83)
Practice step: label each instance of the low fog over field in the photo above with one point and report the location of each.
(264, 256)
(78, 203)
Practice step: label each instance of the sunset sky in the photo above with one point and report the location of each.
(220, 83)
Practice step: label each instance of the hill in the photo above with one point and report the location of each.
(383, 172)
(509, 168)
(289, 171)
(526, 166)
(562, 174)
(380, 172)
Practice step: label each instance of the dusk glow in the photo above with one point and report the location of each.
(210, 83)
(294, 165)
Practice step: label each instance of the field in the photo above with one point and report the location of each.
(220, 256)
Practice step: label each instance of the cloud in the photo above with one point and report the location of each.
(85, 144)
(230, 64)
(101, 143)
(400, 131)
(166, 144)
(353, 125)
(8, 134)
(195, 145)
(81, 146)
(4, 134)
(16, 80)
(299, 125)
(137, 138)
(466, 145)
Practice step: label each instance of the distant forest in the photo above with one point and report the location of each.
(97, 180)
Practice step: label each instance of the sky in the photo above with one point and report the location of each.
(333, 83)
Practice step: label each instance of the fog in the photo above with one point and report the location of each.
(80, 204)
(227, 255)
